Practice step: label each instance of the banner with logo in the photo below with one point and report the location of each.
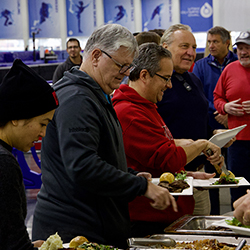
(11, 19)
(156, 14)
(81, 17)
(197, 14)
(121, 12)
(44, 18)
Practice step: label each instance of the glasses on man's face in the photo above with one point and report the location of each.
(167, 79)
(123, 68)
(73, 47)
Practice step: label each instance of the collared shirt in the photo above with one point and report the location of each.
(215, 62)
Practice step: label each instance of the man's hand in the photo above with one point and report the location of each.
(147, 175)
(201, 175)
(234, 108)
(215, 157)
(38, 243)
(222, 119)
(160, 196)
(246, 106)
(217, 131)
(242, 209)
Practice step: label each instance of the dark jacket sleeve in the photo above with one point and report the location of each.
(58, 74)
(13, 233)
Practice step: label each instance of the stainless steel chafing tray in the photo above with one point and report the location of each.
(200, 225)
(141, 243)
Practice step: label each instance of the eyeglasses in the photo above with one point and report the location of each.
(73, 47)
(124, 68)
(167, 79)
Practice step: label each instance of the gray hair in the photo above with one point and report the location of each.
(218, 30)
(167, 37)
(149, 58)
(110, 38)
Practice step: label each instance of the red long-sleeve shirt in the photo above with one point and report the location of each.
(234, 83)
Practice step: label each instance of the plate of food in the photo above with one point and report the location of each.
(234, 225)
(219, 183)
(178, 185)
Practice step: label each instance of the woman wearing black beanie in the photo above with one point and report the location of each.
(27, 105)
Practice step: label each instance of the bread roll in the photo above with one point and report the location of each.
(169, 177)
(77, 241)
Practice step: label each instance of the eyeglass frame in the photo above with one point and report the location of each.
(123, 67)
(73, 47)
(167, 79)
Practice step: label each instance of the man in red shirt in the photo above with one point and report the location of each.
(149, 145)
(232, 97)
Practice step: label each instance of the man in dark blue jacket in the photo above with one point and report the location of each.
(209, 70)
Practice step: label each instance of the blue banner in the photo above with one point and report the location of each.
(121, 12)
(44, 18)
(197, 14)
(81, 17)
(11, 19)
(156, 14)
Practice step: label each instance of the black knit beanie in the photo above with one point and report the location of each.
(24, 94)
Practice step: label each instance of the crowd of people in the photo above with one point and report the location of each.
(105, 140)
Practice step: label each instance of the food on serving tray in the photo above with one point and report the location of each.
(217, 228)
(54, 242)
(206, 244)
(95, 246)
(174, 184)
(77, 241)
(167, 176)
(226, 180)
(235, 222)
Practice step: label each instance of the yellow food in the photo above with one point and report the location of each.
(231, 175)
(167, 176)
(54, 242)
(77, 241)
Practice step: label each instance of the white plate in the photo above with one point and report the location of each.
(66, 245)
(236, 229)
(208, 184)
(187, 191)
(221, 139)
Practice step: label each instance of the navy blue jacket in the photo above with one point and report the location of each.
(209, 71)
(186, 112)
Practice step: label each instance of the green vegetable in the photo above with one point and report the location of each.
(95, 246)
(235, 222)
(181, 176)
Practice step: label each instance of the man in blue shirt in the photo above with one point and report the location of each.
(209, 70)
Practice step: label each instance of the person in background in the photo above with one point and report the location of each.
(184, 107)
(86, 183)
(208, 70)
(27, 105)
(232, 97)
(149, 145)
(147, 36)
(160, 32)
(74, 59)
(144, 37)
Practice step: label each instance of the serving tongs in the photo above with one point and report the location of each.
(150, 243)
